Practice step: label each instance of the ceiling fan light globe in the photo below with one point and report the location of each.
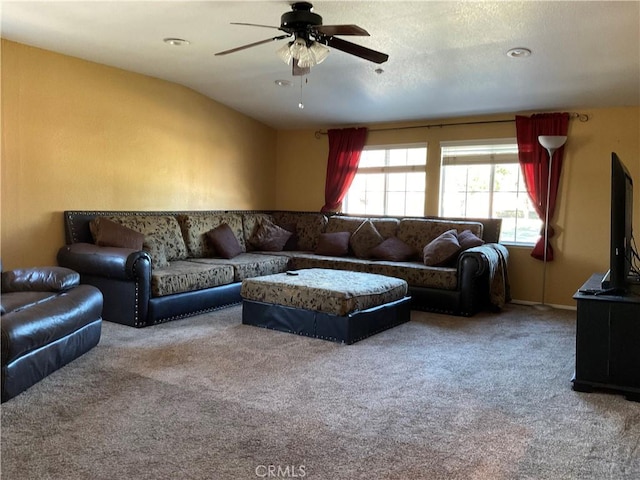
(306, 58)
(319, 52)
(297, 48)
(284, 53)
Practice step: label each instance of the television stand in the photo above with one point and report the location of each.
(611, 291)
(608, 340)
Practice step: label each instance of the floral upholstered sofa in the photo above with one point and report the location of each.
(154, 267)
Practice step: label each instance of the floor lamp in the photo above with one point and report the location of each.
(551, 143)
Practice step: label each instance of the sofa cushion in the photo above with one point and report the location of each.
(308, 227)
(386, 226)
(195, 227)
(42, 321)
(393, 249)
(250, 264)
(16, 301)
(163, 228)
(334, 244)
(269, 237)
(441, 250)
(224, 241)
(418, 232)
(338, 223)
(156, 250)
(416, 274)
(364, 239)
(106, 233)
(185, 276)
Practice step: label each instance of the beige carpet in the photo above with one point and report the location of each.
(437, 398)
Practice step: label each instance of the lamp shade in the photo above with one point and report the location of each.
(552, 142)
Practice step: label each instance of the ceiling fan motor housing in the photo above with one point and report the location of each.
(303, 24)
(299, 19)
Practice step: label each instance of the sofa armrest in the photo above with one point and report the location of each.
(484, 269)
(110, 262)
(487, 257)
(475, 261)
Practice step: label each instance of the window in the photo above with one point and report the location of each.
(483, 179)
(390, 181)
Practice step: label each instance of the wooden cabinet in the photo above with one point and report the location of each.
(608, 340)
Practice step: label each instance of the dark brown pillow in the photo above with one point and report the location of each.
(292, 243)
(111, 234)
(269, 237)
(394, 250)
(364, 239)
(224, 241)
(442, 249)
(335, 244)
(467, 239)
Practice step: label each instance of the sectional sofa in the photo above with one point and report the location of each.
(157, 266)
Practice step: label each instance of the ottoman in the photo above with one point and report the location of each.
(336, 305)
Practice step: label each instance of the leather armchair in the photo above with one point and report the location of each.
(47, 320)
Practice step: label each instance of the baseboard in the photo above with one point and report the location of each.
(553, 305)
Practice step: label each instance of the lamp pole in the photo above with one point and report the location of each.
(551, 143)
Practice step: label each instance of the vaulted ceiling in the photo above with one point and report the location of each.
(446, 58)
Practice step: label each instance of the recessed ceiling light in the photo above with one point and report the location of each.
(176, 42)
(519, 52)
(283, 83)
(379, 71)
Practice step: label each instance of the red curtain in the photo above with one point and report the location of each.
(345, 147)
(534, 161)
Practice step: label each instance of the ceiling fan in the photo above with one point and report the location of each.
(309, 39)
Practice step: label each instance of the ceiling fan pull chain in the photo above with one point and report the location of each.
(301, 103)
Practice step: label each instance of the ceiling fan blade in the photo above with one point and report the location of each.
(331, 30)
(357, 50)
(254, 44)
(254, 25)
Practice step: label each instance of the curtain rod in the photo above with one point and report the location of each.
(583, 117)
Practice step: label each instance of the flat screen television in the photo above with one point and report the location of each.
(621, 247)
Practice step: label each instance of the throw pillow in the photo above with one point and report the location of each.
(467, 239)
(292, 243)
(156, 250)
(439, 251)
(394, 250)
(269, 237)
(111, 234)
(224, 241)
(334, 244)
(364, 239)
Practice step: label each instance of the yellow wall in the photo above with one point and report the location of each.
(582, 218)
(79, 135)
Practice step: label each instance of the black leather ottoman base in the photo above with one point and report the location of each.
(342, 329)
